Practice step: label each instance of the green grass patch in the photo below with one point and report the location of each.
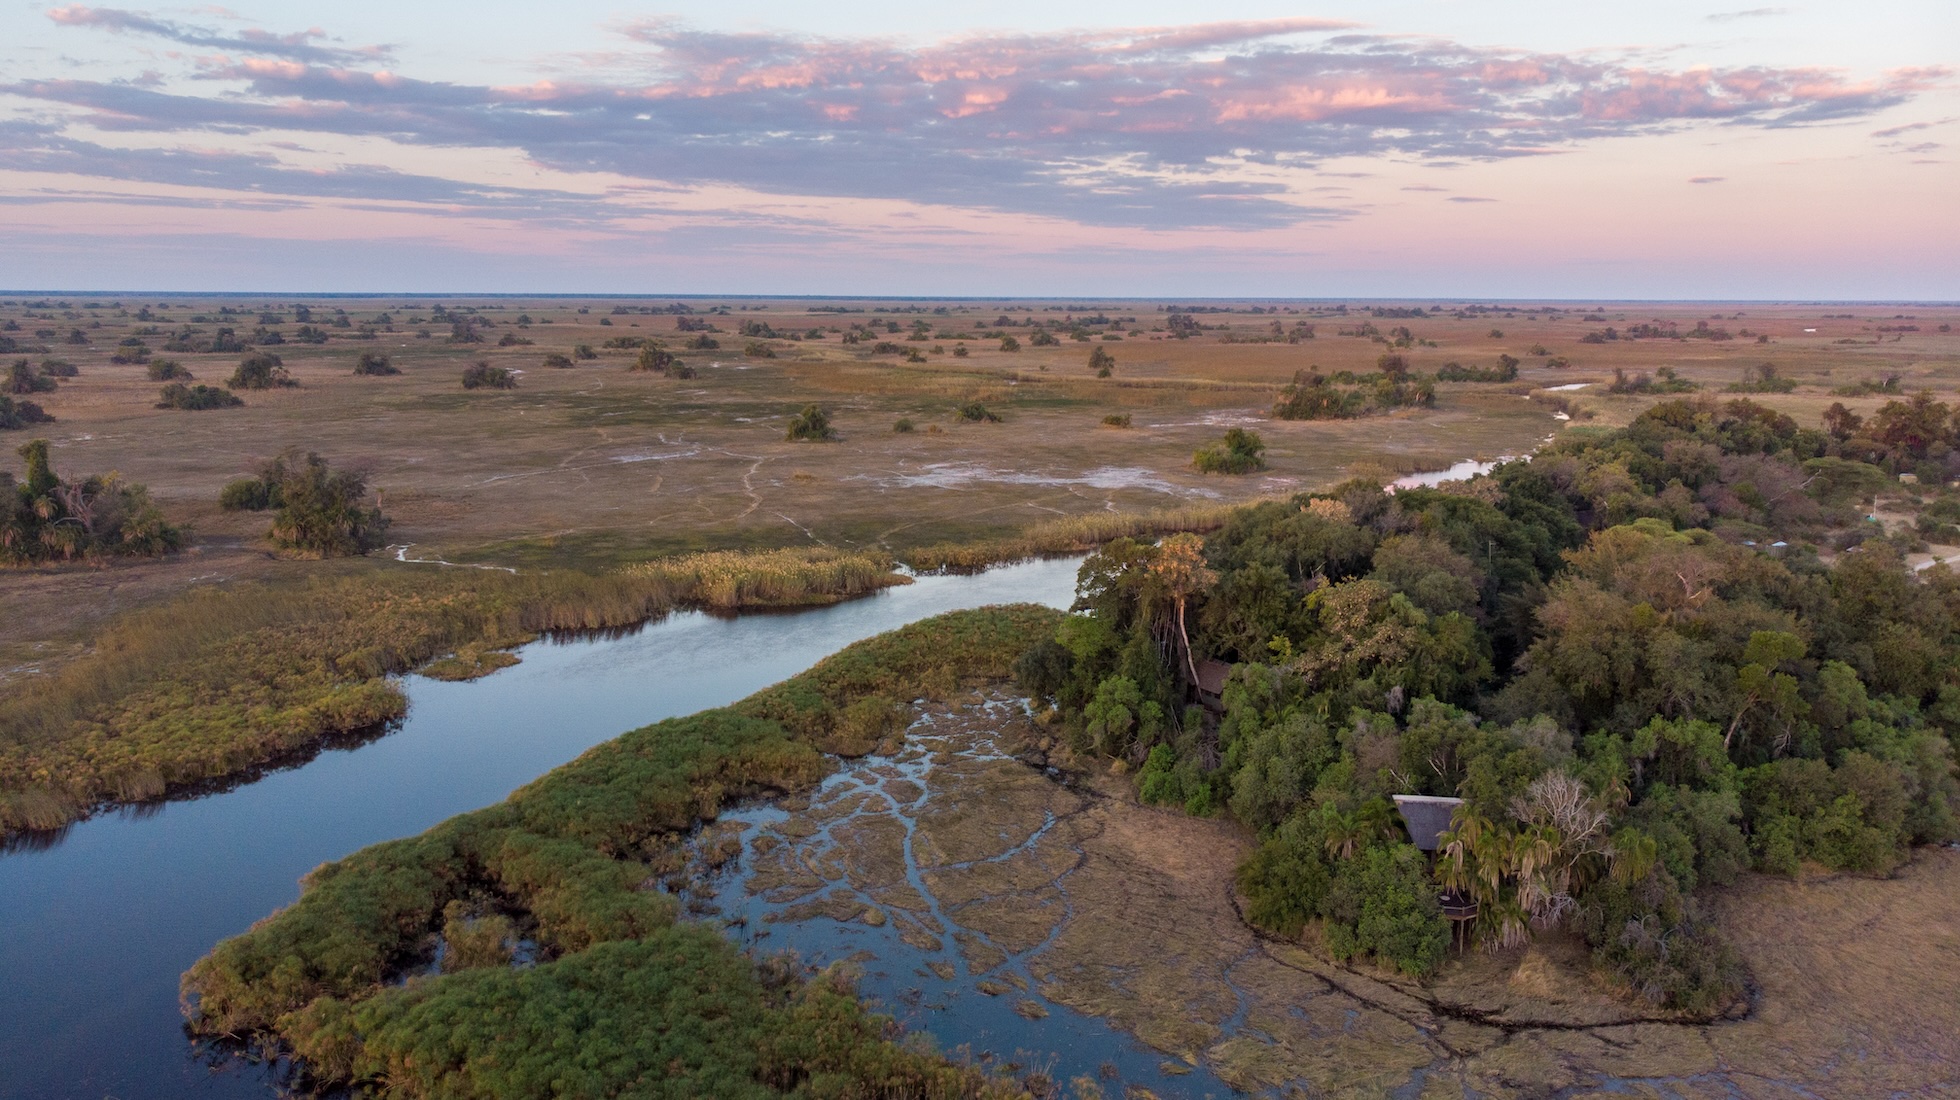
(629, 1000)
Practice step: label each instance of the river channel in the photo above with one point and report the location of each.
(97, 922)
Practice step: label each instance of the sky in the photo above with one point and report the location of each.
(1667, 149)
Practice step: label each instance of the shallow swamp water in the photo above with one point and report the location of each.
(1036, 920)
(1021, 915)
(97, 921)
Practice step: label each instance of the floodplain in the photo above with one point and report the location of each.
(558, 464)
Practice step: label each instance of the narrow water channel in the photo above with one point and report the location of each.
(97, 922)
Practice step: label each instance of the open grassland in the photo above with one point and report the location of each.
(582, 474)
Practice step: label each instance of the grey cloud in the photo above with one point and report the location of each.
(1113, 128)
(299, 46)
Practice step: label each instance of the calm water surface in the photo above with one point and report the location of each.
(96, 927)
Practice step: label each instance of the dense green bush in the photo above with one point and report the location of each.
(260, 370)
(167, 370)
(813, 424)
(374, 363)
(318, 512)
(22, 379)
(1506, 371)
(481, 375)
(653, 358)
(45, 518)
(1239, 452)
(977, 413)
(1312, 396)
(21, 414)
(177, 395)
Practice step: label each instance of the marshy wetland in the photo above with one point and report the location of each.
(1042, 919)
(1000, 829)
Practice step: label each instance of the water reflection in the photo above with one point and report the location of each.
(101, 918)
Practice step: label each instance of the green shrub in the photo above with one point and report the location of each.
(653, 358)
(812, 424)
(320, 512)
(374, 363)
(179, 396)
(20, 414)
(1285, 883)
(248, 494)
(1762, 378)
(167, 370)
(1239, 452)
(1383, 903)
(1646, 934)
(1116, 420)
(481, 375)
(22, 379)
(260, 370)
(978, 413)
(47, 518)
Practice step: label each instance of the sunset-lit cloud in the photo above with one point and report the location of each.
(1230, 126)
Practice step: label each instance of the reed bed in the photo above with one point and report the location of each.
(223, 680)
(725, 579)
(1071, 535)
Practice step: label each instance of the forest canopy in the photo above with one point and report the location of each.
(1625, 654)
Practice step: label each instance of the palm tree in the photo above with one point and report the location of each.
(1180, 567)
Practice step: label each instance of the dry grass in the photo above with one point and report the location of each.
(1069, 535)
(781, 578)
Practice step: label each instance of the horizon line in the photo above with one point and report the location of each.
(698, 296)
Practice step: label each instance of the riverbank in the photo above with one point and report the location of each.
(222, 681)
(566, 860)
(1042, 922)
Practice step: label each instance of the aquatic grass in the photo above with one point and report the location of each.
(1071, 535)
(571, 853)
(222, 680)
(776, 578)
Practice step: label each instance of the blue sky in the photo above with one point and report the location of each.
(1665, 149)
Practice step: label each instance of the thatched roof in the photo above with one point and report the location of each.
(1211, 676)
(1426, 815)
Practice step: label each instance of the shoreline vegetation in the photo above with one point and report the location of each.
(572, 868)
(219, 682)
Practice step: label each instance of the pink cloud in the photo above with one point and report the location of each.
(1048, 125)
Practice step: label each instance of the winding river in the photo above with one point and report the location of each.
(100, 919)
